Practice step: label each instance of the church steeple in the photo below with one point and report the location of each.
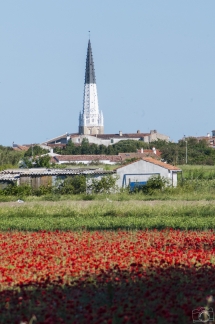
(90, 71)
(90, 119)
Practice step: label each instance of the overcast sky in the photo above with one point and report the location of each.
(154, 64)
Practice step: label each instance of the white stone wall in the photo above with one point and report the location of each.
(174, 179)
(88, 162)
(111, 141)
(92, 139)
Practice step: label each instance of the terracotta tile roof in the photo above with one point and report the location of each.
(52, 160)
(128, 135)
(74, 135)
(56, 145)
(20, 148)
(74, 158)
(162, 164)
(158, 152)
(154, 161)
(138, 155)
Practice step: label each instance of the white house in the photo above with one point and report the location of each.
(140, 171)
(86, 159)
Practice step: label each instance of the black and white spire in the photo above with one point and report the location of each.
(90, 119)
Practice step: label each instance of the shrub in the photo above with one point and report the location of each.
(14, 190)
(42, 190)
(106, 184)
(155, 183)
(88, 197)
(72, 185)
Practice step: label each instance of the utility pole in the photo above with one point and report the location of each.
(186, 149)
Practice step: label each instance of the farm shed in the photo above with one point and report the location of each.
(140, 171)
(6, 179)
(38, 177)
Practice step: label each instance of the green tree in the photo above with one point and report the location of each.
(35, 150)
(85, 146)
(72, 185)
(198, 152)
(9, 158)
(42, 161)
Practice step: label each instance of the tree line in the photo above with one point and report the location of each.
(93, 149)
(197, 152)
(192, 150)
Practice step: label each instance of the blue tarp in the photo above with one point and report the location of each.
(134, 185)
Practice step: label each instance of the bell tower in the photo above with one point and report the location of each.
(91, 121)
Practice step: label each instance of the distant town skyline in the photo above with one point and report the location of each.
(154, 61)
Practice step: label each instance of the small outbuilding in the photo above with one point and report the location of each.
(138, 172)
(45, 177)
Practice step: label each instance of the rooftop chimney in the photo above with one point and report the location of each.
(153, 131)
(120, 133)
(138, 131)
(154, 150)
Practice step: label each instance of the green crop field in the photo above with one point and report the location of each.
(107, 215)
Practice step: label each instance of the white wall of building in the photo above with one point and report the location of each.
(96, 140)
(141, 170)
(88, 162)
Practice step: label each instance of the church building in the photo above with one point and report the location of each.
(91, 121)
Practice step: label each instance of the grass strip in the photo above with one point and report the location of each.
(108, 216)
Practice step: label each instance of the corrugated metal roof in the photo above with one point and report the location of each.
(52, 172)
(8, 177)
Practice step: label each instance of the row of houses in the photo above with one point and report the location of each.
(130, 174)
(107, 139)
(104, 159)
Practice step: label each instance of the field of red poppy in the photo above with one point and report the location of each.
(105, 277)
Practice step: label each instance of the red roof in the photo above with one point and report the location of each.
(56, 145)
(158, 152)
(162, 164)
(138, 155)
(74, 158)
(128, 135)
(154, 161)
(20, 148)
